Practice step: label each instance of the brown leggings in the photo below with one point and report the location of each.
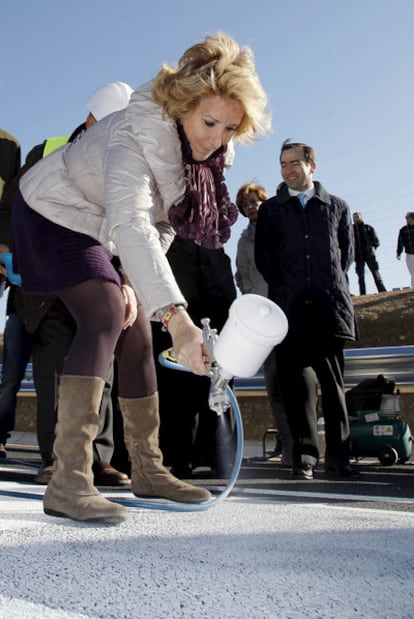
(98, 309)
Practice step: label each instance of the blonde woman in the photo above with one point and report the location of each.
(132, 181)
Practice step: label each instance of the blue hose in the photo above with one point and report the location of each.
(177, 507)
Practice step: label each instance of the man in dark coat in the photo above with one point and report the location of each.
(406, 242)
(9, 158)
(303, 249)
(365, 243)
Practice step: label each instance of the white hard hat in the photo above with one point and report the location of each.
(109, 98)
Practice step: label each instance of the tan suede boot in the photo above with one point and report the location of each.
(149, 478)
(71, 493)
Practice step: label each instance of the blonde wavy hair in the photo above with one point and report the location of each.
(217, 66)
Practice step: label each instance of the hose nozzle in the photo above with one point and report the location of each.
(218, 400)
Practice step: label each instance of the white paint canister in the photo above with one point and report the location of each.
(254, 326)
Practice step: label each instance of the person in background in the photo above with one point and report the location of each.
(43, 327)
(115, 191)
(10, 159)
(365, 243)
(406, 243)
(17, 350)
(303, 249)
(190, 435)
(16, 341)
(249, 280)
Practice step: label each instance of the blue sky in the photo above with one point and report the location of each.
(339, 75)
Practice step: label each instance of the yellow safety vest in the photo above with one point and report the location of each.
(52, 144)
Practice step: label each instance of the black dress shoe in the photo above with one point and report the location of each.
(342, 470)
(45, 472)
(304, 471)
(105, 475)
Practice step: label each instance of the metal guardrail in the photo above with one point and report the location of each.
(395, 362)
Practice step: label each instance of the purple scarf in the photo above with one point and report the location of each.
(206, 212)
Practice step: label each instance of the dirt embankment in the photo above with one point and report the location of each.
(385, 319)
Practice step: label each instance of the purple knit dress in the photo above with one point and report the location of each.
(50, 257)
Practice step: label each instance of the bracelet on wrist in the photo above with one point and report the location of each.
(165, 314)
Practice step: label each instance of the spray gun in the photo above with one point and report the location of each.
(218, 400)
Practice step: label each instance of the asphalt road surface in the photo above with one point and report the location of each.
(275, 548)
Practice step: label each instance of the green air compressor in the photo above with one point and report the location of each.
(376, 425)
(387, 438)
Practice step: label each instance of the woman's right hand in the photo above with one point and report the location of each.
(188, 343)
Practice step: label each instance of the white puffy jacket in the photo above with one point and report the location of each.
(116, 184)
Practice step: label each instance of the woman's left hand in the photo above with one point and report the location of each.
(131, 306)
